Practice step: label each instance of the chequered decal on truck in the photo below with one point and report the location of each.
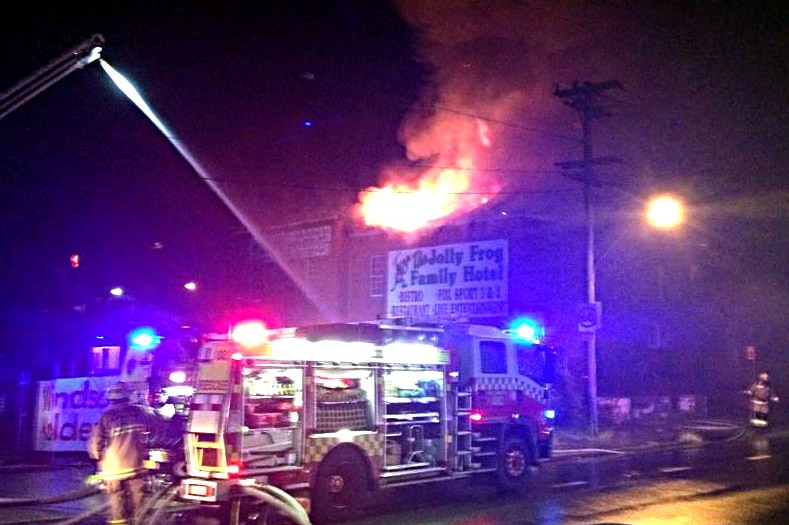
(206, 402)
(530, 388)
(371, 443)
(233, 425)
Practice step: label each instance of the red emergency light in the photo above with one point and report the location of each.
(234, 468)
(249, 333)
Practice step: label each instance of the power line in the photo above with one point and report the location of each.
(368, 189)
(498, 121)
(482, 170)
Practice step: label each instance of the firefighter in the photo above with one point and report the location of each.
(118, 443)
(762, 396)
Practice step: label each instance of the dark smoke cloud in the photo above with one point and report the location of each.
(704, 98)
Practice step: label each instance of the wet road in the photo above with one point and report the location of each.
(58, 487)
(742, 481)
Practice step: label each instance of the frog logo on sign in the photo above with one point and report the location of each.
(589, 317)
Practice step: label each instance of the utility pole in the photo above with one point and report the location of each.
(583, 99)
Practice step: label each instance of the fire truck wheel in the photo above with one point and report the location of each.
(340, 487)
(514, 462)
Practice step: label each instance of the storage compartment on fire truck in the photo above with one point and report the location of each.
(342, 399)
(272, 415)
(414, 403)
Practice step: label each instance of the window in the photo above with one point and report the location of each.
(493, 357)
(377, 275)
(104, 359)
(531, 361)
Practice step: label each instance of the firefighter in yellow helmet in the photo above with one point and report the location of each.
(118, 442)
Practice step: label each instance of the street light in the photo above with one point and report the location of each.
(665, 212)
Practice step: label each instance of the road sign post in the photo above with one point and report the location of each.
(589, 317)
(589, 322)
(750, 355)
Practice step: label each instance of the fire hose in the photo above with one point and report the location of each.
(281, 501)
(83, 492)
(79, 518)
(90, 489)
(157, 504)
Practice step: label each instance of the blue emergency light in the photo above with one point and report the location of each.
(526, 330)
(144, 338)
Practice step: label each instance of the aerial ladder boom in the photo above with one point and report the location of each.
(29, 87)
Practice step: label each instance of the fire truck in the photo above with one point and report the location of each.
(328, 413)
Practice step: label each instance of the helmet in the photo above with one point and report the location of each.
(118, 392)
(764, 377)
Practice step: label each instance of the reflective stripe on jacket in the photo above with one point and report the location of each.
(763, 392)
(118, 441)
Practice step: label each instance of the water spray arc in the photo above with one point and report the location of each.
(134, 96)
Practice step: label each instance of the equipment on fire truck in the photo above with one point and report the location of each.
(326, 413)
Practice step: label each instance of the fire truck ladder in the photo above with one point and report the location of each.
(484, 452)
(205, 441)
(463, 449)
(212, 436)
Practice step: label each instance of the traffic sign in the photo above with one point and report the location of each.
(589, 317)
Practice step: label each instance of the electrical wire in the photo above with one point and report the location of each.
(501, 122)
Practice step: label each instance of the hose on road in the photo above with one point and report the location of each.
(160, 505)
(281, 501)
(79, 518)
(83, 492)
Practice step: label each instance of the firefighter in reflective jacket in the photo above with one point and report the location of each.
(118, 442)
(762, 395)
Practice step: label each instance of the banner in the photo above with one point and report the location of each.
(67, 410)
(449, 282)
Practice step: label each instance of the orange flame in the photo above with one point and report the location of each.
(409, 207)
(410, 200)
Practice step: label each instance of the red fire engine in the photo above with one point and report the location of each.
(327, 413)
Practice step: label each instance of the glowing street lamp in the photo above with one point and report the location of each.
(665, 212)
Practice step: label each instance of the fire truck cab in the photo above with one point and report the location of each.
(327, 413)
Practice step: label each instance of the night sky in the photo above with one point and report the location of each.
(301, 105)
(85, 172)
